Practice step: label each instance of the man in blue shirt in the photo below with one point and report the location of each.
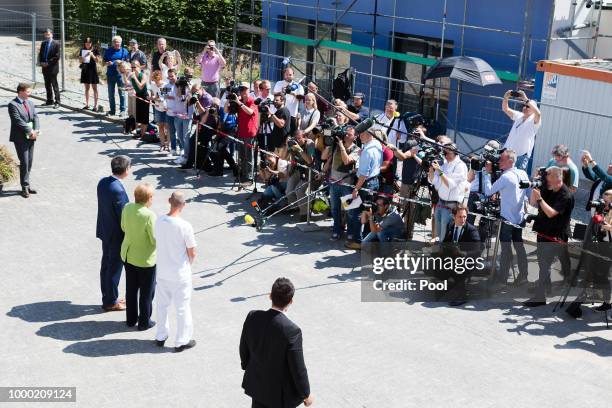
(114, 56)
(512, 206)
(368, 171)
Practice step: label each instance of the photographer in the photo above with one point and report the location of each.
(293, 92)
(204, 113)
(561, 158)
(411, 167)
(211, 62)
(512, 209)
(526, 124)
(555, 204)
(301, 152)
(449, 180)
(370, 160)
(273, 173)
(281, 121)
(384, 222)
(594, 172)
(265, 103)
(248, 121)
(476, 178)
(340, 160)
(181, 113)
(390, 123)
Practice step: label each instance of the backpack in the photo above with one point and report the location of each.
(342, 87)
(129, 124)
(151, 135)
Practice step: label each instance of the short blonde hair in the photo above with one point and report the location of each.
(143, 193)
(117, 38)
(156, 75)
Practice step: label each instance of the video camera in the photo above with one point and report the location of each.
(330, 131)
(165, 90)
(291, 88)
(264, 105)
(598, 205)
(489, 154)
(428, 154)
(488, 207)
(232, 88)
(183, 81)
(539, 181)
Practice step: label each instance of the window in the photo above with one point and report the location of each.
(411, 96)
(322, 63)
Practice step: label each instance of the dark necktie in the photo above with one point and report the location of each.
(25, 106)
(456, 236)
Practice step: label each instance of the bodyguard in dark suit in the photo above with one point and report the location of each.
(271, 355)
(468, 244)
(48, 59)
(24, 131)
(112, 197)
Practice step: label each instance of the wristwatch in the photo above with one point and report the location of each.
(539, 200)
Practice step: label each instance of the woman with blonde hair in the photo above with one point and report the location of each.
(159, 109)
(139, 257)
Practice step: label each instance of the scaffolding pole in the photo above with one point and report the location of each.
(444, 12)
(458, 96)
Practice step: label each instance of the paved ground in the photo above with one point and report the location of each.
(375, 355)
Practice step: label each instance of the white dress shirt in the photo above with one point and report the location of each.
(456, 174)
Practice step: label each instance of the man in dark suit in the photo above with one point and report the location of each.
(111, 200)
(48, 59)
(271, 355)
(466, 241)
(25, 128)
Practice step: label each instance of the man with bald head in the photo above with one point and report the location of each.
(175, 253)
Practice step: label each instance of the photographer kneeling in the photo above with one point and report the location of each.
(555, 204)
(273, 173)
(340, 159)
(384, 220)
(301, 152)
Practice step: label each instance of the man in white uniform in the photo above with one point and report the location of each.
(176, 252)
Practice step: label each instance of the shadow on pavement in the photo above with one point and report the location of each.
(53, 311)
(595, 344)
(75, 331)
(107, 348)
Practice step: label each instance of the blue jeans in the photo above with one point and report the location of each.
(182, 129)
(172, 133)
(336, 191)
(112, 82)
(275, 192)
(443, 216)
(522, 162)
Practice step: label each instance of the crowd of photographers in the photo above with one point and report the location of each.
(370, 170)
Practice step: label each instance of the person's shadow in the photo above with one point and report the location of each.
(115, 347)
(53, 311)
(75, 331)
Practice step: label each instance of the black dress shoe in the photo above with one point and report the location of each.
(160, 343)
(604, 307)
(147, 327)
(32, 191)
(130, 324)
(24, 192)
(56, 105)
(189, 345)
(47, 104)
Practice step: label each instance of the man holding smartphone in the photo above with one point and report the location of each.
(211, 62)
(526, 124)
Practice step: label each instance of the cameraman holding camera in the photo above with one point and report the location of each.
(512, 209)
(301, 152)
(449, 180)
(281, 119)
(555, 203)
(273, 173)
(340, 160)
(248, 121)
(385, 222)
(211, 62)
(265, 103)
(526, 124)
(293, 92)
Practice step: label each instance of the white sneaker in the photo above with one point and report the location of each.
(174, 152)
(180, 160)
